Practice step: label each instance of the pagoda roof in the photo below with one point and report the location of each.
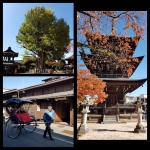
(101, 64)
(129, 84)
(123, 79)
(140, 58)
(118, 42)
(9, 50)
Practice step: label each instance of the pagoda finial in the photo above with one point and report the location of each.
(9, 48)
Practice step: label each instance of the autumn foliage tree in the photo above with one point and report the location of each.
(95, 28)
(89, 84)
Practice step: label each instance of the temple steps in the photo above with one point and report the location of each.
(110, 119)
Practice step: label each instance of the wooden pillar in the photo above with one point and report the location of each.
(71, 114)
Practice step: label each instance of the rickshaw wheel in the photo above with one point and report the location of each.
(30, 126)
(13, 127)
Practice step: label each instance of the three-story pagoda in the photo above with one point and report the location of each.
(112, 60)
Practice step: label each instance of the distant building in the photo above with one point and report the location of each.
(143, 97)
(130, 99)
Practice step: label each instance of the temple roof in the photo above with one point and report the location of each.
(123, 79)
(9, 50)
(126, 84)
(112, 43)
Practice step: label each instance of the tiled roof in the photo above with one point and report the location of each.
(48, 83)
(53, 95)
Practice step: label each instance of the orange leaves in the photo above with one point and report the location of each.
(113, 32)
(85, 30)
(135, 60)
(105, 51)
(108, 13)
(130, 70)
(102, 22)
(142, 12)
(88, 83)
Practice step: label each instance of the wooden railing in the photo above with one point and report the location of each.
(115, 109)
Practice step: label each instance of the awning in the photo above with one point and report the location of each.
(53, 95)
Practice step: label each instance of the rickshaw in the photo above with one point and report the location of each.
(19, 118)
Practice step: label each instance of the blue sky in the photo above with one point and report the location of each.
(14, 16)
(22, 81)
(141, 71)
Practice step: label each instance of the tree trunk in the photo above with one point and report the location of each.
(42, 56)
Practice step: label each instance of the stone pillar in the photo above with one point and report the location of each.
(139, 127)
(117, 116)
(104, 111)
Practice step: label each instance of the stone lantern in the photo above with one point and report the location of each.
(139, 127)
(83, 127)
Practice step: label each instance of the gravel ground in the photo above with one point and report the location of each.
(121, 131)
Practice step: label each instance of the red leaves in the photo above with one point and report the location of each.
(88, 83)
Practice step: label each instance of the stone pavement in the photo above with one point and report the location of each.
(59, 127)
(117, 131)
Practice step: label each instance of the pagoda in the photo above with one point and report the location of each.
(8, 61)
(108, 68)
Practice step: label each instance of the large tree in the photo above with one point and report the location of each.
(99, 25)
(44, 35)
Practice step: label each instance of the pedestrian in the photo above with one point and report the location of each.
(48, 117)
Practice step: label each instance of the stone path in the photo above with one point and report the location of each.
(121, 131)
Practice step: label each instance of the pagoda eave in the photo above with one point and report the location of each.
(128, 85)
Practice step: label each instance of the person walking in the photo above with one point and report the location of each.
(48, 117)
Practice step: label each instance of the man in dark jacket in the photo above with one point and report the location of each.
(48, 117)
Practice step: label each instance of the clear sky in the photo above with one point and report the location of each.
(141, 71)
(14, 16)
(22, 81)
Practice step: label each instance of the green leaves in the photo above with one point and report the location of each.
(42, 31)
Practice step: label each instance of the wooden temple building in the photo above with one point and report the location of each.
(9, 64)
(55, 91)
(109, 69)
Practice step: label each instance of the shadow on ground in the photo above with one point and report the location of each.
(103, 130)
(35, 139)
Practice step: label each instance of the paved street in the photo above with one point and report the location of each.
(62, 134)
